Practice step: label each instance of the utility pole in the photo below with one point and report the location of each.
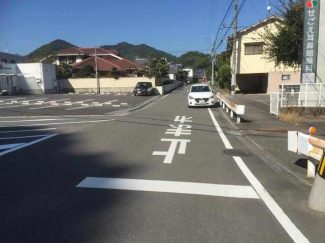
(234, 50)
(212, 62)
(97, 77)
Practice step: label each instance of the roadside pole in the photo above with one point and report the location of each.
(234, 50)
(97, 77)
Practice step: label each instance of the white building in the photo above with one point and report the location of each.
(28, 78)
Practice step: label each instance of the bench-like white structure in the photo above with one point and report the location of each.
(239, 110)
(312, 147)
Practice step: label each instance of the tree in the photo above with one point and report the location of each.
(182, 76)
(224, 75)
(115, 73)
(63, 71)
(84, 72)
(157, 68)
(285, 46)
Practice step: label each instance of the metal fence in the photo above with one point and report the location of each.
(300, 95)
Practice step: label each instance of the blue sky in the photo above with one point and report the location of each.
(174, 26)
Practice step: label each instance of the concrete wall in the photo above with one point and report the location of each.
(275, 80)
(89, 85)
(248, 64)
(125, 84)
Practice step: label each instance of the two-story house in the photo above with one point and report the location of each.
(255, 72)
(106, 59)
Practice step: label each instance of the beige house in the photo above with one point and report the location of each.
(254, 72)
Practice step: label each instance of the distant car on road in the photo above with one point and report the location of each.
(200, 95)
(143, 88)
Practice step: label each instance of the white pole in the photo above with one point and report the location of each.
(97, 78)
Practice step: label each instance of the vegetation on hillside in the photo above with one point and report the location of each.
(285, 46)
(49, 49)
(131, 51)
(195, 59)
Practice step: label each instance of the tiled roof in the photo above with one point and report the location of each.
(71, 50)
(91, 51)
(123, 63)
(85, 51)
(103, 65)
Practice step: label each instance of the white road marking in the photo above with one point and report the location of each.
(26, 144)
(52, 101)
(222, 135)
(275, 209)
(170, 186)
(261, 102)
(82, 101)
(164, 96)
(43, 107)
(10, 146)
(172, 149)
(13, 106)
(34, 120)
(77, 108)
(58, 123)
(34, 100)
(34, 136)
(31, 130)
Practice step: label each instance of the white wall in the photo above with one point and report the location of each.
(36, 77)
(190, 72)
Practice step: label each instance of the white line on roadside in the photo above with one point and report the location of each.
(77, 108)
(52, 101)
(33, 100)
(34, 120)
(58, 123)
(222, 135)
(13, 106)
(43, 107)
(10, 146)
(82, 101)
(261, 102)
(164, 96)
(170, 186)
(34, 136)
(26, 144)
(275, 209)
(31, 130)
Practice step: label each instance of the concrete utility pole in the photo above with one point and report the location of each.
(234, 50)
(212, 62)
(97, 77)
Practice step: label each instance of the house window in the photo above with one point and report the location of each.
(4, 60)
(12, 61)
(71, 59)
(285, 77)
(254, 48)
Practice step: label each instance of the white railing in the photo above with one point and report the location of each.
(299, 95)
(302, 95)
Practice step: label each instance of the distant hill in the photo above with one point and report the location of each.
(194, 59)
(49, 48)
(131, 51)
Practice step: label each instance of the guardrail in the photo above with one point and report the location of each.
(314, 148)
(238, 110)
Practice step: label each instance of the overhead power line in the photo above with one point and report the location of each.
(239, 10)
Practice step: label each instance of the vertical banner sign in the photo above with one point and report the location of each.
(310, 44)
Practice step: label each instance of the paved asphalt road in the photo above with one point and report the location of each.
(67, 104)
(163, 173)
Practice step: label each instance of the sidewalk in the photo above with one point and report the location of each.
(270, 134)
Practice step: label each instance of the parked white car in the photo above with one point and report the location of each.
(200, 95)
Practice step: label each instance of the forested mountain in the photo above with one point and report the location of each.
(194, 59)
(49, 49)
(131, 51)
